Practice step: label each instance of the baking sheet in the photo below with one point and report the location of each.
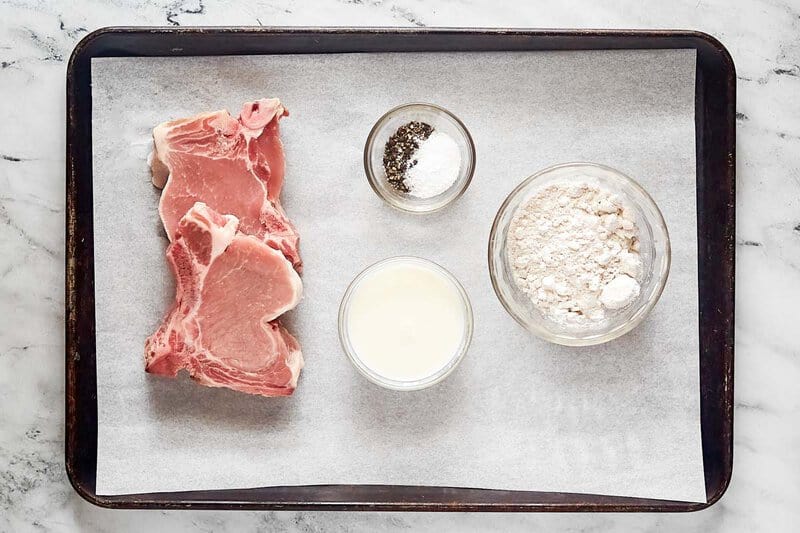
(521, 414)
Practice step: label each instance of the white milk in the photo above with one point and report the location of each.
(406, 320)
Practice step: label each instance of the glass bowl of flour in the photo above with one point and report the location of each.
(579, 254)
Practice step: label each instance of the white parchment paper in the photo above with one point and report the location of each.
(519, 413)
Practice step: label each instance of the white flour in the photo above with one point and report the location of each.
(573, 249)
(438, 161)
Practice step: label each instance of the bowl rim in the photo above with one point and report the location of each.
(568, 340)
(394, 384)
(372, 177)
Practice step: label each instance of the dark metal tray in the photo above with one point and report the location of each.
(715, 128)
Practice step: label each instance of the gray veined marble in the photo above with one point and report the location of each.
(35, 41)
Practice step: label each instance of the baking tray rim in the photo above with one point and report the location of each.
(693, 39)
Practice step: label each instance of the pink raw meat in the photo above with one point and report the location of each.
(230, 288)
(235, 166)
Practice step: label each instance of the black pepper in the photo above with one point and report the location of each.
(400, 149)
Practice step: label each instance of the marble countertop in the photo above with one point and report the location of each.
(36, 39)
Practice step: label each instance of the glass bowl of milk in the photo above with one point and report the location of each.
(405, 323)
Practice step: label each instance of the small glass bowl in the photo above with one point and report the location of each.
(442, 120)
(654, 250)
(380, 379)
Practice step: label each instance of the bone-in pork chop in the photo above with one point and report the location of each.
(230, 288)
(235, 166)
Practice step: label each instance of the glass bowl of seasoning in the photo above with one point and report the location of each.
(579, 254)
(419, 157)
(405, 323)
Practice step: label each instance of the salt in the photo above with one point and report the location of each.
(434, 166)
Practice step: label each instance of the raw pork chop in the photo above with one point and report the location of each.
(230, 288)
(235, 166)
